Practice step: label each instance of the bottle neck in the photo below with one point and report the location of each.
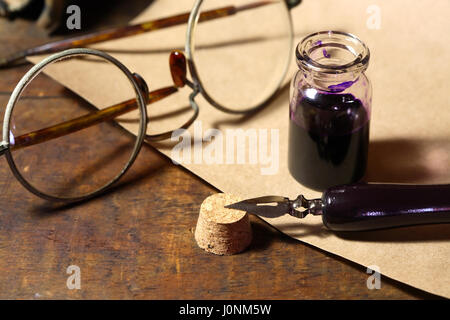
(332, 61)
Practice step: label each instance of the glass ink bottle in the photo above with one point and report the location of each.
(329, 114)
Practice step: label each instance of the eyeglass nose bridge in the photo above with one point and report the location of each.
(178, 70)
(185, 126)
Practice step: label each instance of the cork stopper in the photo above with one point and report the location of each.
(220, 230)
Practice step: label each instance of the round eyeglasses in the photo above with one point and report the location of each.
(250, 39)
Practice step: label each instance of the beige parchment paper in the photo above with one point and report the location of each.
(410, 128)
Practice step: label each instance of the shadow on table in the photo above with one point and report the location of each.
(409, 161)
(411, 234)
(264, 233)
(299, 230)
(429, 233)
(138, 172)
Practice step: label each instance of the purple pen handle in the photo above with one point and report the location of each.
(360, 207)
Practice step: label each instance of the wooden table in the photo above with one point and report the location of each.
(137, 241)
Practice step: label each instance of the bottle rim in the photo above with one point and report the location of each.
(345, 41)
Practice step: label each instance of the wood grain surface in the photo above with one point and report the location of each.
(137, 242)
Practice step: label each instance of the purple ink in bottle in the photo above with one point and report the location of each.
(329, 111)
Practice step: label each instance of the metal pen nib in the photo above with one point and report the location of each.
(276, 206)
(362, 206)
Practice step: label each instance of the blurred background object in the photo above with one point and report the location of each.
(50, 15)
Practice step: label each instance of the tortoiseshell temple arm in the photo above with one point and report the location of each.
(177, 62)
(121, 32)
(86, 121)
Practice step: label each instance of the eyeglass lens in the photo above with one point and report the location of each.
(84, 160)
(241, 59)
